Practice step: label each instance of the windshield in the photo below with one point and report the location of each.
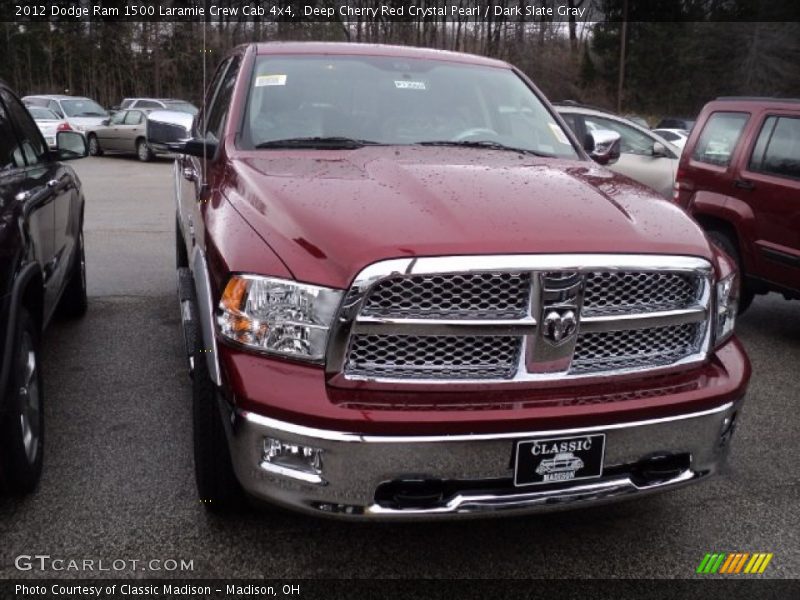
(181, 107)
(389, 100)
(83, 107)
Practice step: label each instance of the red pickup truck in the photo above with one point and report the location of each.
(405, 286)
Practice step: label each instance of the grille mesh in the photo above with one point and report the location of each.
(457, 296)
(634, 348)
(609, 292)
(507, 295)
(433, 357)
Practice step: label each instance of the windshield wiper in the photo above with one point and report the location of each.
(484, 144)
(325, 143)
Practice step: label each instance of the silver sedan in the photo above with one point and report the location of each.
(125, 132)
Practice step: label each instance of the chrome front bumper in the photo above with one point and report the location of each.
(476, 470)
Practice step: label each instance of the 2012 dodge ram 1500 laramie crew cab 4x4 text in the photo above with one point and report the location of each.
(405, 287)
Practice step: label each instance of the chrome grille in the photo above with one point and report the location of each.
(610, 292)
(612, 350)
(513, 318)
(451, 296)
(433, 357)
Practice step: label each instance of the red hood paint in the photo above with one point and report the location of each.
(328, 214)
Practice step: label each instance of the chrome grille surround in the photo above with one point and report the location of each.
(571, 327)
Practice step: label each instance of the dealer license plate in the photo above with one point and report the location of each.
(561, 459)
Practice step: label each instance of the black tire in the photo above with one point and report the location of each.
(217, 486)
(724, 241)
(94, 146)
(74, 301)
(143, 151)
(181, 256)
(22, 428)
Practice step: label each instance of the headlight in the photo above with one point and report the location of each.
(727, 307)
(278, 316)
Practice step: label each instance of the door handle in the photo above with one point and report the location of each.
(744, 184)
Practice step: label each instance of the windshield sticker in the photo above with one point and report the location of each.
(410, 85)
(559, 133)
(263, 80)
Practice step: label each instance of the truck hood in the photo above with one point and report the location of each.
(328, 214)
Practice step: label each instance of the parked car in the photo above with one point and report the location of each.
(675, 123)
(43, 267)
(739, 176)
(645, 156)
(676, 137)
(123, 133)
(154, 103)
(49, 123)
(375, 241)
(79, 112)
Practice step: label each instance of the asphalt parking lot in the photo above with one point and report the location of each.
(119, 482)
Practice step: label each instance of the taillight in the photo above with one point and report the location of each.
(64, 126)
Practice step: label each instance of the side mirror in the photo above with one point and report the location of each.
(71, 145)
(659, 149)
(171, 131)
(105, 121)
(603, 146)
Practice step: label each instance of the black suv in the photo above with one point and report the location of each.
(42, 268)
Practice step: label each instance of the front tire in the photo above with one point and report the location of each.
(217, 485)
(143, 151)
(724, 241)
(22, 429)
(94, 146)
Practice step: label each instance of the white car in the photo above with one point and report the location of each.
(676, 137)
(79, 112)
(645, 156)
(48, 122)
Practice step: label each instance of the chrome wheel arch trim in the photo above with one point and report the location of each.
(205, 308)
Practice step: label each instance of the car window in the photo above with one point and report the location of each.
(10, 152)
(54, 106)
(36, 101)
(118, 118)
(126, 103)
(777, 150)
(148, 104)
(396, 101)
(181, 107)
(632, 141)
(33, 146)
(83, 107)
(134, 117)
(719, 138)
(667, 135)
(221, 104)
(42, 114)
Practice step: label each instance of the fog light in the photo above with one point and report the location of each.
(292, 460)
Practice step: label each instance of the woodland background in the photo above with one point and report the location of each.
(678, 53)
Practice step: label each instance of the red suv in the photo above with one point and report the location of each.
(405, 287)
(739, 176)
